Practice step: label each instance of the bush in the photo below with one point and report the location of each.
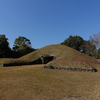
(51, 67)
(14, 62)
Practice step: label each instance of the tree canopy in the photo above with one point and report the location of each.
(89, 48)
(4, 46)
(21, 42)
(74, 42)
(96, 39)
(22, 46)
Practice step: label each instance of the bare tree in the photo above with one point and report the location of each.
(96, 39)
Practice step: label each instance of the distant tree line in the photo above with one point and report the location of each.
(90, 47)
(22, 46)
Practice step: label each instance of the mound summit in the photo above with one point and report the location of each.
(59, 56)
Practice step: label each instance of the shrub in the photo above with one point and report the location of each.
(51, 67)
(14, 61)
(28, 63)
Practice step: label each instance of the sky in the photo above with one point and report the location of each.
(46, 22)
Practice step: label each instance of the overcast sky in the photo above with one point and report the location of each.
(46, 22)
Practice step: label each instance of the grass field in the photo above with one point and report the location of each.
(33, 82)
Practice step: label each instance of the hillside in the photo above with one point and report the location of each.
(64, 57)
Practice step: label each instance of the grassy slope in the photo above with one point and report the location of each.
(65, 57)
(35, 83)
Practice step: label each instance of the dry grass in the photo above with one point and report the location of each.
(9, 60)
(36, 83)
(98, 59)
(65, 57)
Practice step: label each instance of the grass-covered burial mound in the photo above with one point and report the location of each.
(58, 56)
